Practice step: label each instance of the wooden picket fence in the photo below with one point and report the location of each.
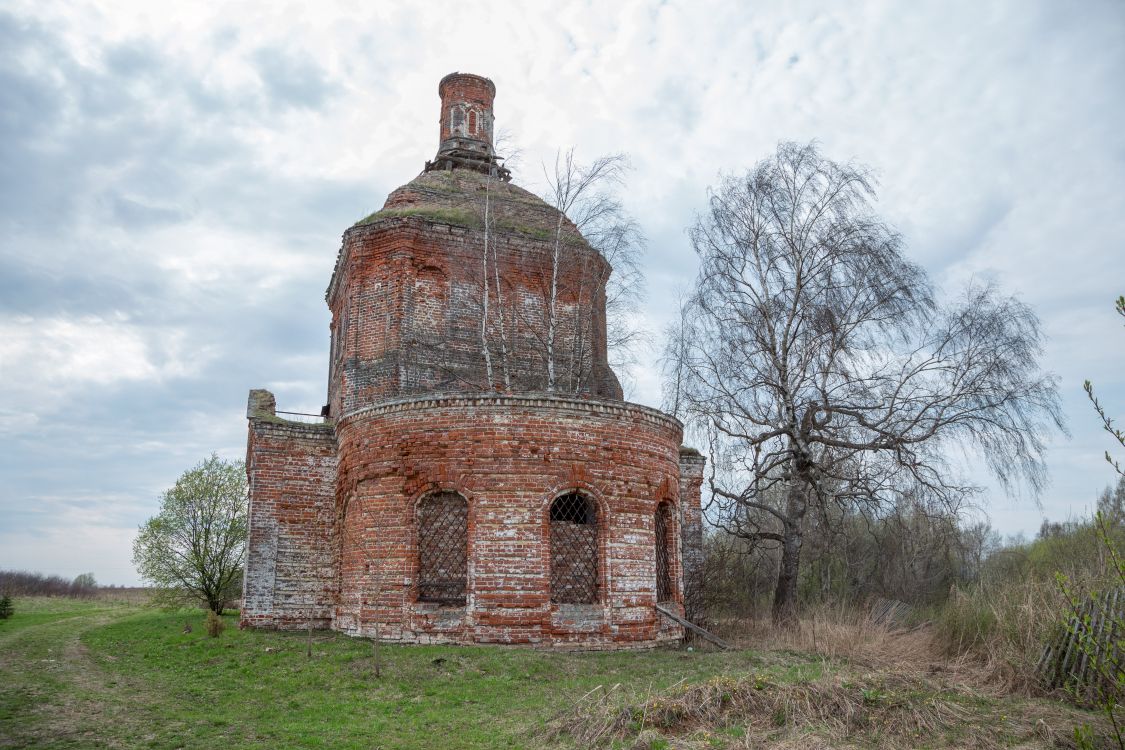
(1089, 671)
(890, 612)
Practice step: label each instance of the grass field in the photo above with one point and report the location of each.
(92, 674)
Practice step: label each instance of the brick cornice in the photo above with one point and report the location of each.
(544, 401)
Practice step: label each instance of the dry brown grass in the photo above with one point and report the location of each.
(131, 595)
(875, 710)
(880, 687)
(990, 640)
(999, 631)
(840, 634)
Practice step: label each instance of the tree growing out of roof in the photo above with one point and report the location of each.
(193, 549)
(585, 197)
(822, 369)
(587, 194)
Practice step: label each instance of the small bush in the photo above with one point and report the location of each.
(215, 624)
(6, 608)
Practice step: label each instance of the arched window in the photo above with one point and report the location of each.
(472, 123)
(456, 121)
(443, 548)
(665, 592)
(574, 550)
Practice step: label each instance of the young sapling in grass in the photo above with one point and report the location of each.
(215, 624)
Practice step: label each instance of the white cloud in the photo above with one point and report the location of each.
(41, 355)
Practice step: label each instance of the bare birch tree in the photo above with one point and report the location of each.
(586, 193)
(490, 271)
(822, 368)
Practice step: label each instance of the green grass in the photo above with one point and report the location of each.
(258, 689)
(442, 215)
(463, 217)
(89, 674)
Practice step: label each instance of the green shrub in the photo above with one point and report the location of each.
(6, 608)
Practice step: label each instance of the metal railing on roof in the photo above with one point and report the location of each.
(303, 417)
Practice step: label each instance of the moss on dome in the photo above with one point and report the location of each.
(456, 197)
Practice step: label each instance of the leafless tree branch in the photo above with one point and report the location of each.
(818, 361)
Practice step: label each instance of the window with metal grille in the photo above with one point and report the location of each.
(574, 550)
(443, 548)
(664, 589)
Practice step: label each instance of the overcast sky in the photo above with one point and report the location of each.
(174, 181)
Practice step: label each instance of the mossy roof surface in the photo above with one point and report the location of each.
(458, 197)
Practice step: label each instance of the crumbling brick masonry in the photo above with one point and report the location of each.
(476, 476)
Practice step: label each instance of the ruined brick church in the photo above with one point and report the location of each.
(476, 476)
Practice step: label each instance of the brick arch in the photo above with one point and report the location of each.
(574, 484)
(460, 485)
(668, 494)
(668, 489)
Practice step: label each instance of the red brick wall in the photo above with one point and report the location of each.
(509, 457)
(406, 304)
(291, 567)
(691, 519)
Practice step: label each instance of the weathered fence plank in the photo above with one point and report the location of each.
(1066, 663)
(693, 627)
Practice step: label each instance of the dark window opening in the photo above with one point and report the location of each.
(443, 548)
(574, 550)
(664, 588)
(472, 122)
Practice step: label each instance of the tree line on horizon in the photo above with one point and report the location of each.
(27, 583)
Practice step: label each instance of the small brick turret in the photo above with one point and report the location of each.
(466, 126)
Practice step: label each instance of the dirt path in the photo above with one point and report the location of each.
(55, 695)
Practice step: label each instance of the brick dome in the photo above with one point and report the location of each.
(455, 196)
